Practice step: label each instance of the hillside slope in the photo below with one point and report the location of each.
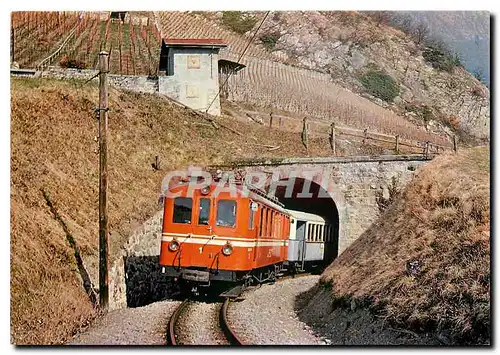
(53, 151)
(425, 265)
(349, 45)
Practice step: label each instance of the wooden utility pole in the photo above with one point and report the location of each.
(12, 45)
(455, 143)
(397, 144)
(103, 181)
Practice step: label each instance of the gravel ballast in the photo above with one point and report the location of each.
(130, 326)
(267, 315)
(199, 325)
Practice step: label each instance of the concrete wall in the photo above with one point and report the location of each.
(145, 241)
(195, 80)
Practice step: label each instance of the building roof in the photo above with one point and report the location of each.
(194, 42)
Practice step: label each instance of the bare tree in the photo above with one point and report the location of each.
(402, 21)
(379, 16)
(420, 32)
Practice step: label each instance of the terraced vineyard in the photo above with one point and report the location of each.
(134, 47)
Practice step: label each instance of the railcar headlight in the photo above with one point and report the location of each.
(227, 249)
(205, 190)
(173, 246)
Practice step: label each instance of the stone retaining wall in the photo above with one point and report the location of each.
(137, 83)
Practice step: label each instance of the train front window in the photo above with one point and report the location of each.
(204, 212)
(183, 208)
(226, 213)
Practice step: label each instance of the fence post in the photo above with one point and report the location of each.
(455, 147)
(397, 144)
(271, 120)
(304, 133)
(426, 149)
(365, 135)
(332, 138)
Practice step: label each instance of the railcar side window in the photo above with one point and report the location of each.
(204, 212)
(183, 208)
(261, 223)
(226, 213)
(250, 217)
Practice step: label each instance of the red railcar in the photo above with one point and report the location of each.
(210, 236)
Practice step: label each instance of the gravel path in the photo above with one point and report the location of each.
(199, 325)
(130, 326)
(266, 316)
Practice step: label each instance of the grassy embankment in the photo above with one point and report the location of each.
(425, 265)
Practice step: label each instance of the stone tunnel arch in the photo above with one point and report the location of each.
(319, 202)
(326, 199)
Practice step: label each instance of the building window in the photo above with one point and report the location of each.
(204, 212)
(193, 62)
(226, 213)
(183, 210)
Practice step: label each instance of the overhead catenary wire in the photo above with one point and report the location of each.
(238, 61)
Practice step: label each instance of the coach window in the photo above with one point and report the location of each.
(183, 208)
(204, 212)
(226, 213)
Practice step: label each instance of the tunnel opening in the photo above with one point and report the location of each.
(318, 202)
(145, 283)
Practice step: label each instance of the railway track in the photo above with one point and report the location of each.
(209, 320)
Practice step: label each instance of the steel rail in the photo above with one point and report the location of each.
(231, 336)
(228, 332)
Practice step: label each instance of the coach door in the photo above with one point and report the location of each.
(300, 236)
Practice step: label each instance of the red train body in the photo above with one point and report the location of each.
(211, 236)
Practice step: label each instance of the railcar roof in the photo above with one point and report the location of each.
(252, 195)
(257, 198)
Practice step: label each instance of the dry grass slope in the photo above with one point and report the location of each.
(442, 221)
(53, 148)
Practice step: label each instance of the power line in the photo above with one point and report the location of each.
(238, 61)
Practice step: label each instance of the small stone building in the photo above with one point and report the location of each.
(189, 72)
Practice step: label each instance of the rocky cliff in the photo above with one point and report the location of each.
(431, 87)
